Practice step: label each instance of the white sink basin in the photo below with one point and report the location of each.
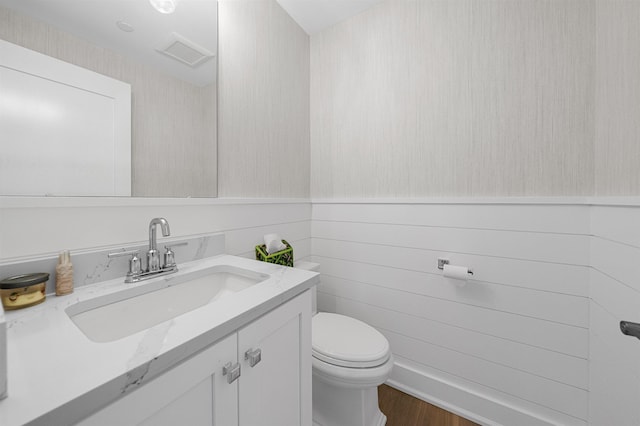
(121, 314)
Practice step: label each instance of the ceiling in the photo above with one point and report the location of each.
(315, 15)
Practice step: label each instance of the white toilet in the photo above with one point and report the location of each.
(350, 360)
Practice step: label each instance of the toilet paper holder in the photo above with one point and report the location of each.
(443, 261)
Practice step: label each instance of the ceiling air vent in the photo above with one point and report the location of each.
(185, 51)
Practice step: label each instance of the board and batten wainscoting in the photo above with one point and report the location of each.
(531, 339)
(614, 367)
(36, 227)
(510, 347)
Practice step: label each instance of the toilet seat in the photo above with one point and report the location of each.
(347, 342)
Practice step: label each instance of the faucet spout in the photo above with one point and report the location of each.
(152, 231)
(153, 258)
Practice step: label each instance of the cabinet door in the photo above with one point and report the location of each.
(194, 393)
(276, 391)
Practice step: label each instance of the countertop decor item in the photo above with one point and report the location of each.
(64, 274)
(282, 257)
(22, 291)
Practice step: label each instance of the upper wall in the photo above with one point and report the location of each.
(167, 114)
(457, 97)
(263, 139)
(617, 129)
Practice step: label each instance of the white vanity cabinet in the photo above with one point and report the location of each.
(276, 391)
(273, 389)
(193, 393)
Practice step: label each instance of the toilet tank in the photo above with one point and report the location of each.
(315, 267)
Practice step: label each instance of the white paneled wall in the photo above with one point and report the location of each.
(34, 227)
(614, 372)
(532, 339)
(511, 346)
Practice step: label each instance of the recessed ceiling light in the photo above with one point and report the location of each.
(125, 26)
(164, 6)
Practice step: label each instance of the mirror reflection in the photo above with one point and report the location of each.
(168, 59)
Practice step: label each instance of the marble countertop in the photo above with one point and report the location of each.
(57, 376)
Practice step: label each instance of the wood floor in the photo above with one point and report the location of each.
(405, 410)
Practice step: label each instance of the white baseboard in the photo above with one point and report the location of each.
(482, 409)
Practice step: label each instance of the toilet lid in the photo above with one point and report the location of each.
(347, 342)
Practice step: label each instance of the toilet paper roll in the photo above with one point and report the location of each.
(456, 272)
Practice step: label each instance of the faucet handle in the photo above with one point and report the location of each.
(123, 253)
(135, 265)
(169, 256)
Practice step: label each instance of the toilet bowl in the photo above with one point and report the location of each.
(350, 360)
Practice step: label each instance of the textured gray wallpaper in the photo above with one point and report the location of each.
(263, 101)
(617, 130)
(455, 98)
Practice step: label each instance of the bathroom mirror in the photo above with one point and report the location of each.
(170, 61)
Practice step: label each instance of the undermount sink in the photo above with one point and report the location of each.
(112, 317)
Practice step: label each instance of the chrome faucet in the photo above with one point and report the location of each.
(154, 266)
(153, 258)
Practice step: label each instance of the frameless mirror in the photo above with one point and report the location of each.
(168, 59)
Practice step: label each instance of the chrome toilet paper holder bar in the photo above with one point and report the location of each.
(442, 261)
